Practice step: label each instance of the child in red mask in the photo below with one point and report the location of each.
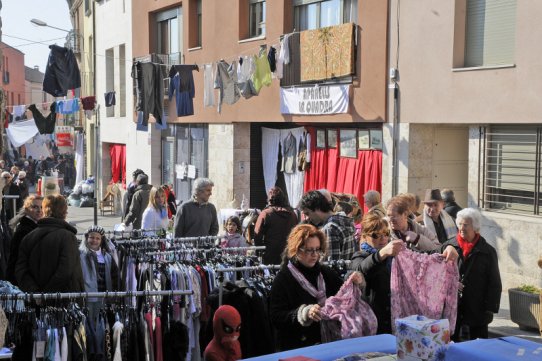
(225, 344)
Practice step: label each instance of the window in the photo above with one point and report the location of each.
(256, 18)
(169, 39)
(195, 23)
(87, 7)
(314, 14)
(200, 24)
(122, 74)
(110, 78)
(512, 167)
(490, 30)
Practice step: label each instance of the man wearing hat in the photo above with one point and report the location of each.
(435, 217)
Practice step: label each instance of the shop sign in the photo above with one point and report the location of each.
(315, 100)
(64, 136)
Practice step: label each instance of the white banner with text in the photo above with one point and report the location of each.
(315, 100)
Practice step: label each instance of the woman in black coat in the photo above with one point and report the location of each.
(374, 261)
(295, 312)
(49, 258)
(480, 289)
(22, 224)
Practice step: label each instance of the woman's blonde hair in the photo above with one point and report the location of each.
(299, 235)
(152, 197)
(55, 206)
(25, 209)
(373, 223)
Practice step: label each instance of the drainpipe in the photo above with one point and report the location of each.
(395, 160)
(97, 116)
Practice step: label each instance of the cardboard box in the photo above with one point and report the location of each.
(421, 338)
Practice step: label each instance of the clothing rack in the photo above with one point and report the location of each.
(235, 269)
(72, 295)
(195, 250)
(172, 240)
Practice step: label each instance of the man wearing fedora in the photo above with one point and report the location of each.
(435, 217)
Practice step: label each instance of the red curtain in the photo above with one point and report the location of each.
(344, 175)
(117, 152)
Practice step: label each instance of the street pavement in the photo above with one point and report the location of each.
(501, 326)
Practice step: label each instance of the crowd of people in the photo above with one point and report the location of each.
(45, 256)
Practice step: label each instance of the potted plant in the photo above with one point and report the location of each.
(525, 306)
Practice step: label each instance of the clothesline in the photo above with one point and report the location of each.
(42, 103)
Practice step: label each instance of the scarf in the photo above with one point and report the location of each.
(319, 294)
(370, 249)
(466, 247)
(447, 221)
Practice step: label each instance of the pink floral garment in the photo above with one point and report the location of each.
(355, 316)
(423, 284)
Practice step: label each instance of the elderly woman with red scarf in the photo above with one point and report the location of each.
(480, 289)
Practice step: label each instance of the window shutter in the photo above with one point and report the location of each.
(490, 32)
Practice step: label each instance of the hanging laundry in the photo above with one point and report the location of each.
(327, 53)
(244, 76)
(69, 106)
(110, 99)
(46, 125)
(291, 66)
(208, 88)
(150, 90)
(304, 153)
(289, 153)
(18, 111)
(21, 132)
(262, 74)
(62, 72)
(226, 83)
(271, 58)
(182, 85)
(89, 102)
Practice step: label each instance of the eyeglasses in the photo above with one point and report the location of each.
(312, 251)
(380, 235)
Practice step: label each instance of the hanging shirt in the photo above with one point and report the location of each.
(244, 77)
(89, 102)
(208, 88)
(62, 72)
(424, 284)
(262, 74)
(226, 83)
(110, 99)
(46, 125)
(67, 106)
(182, 84)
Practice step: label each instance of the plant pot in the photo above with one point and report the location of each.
(525, 309)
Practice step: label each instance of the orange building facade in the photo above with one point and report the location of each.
(13, 75)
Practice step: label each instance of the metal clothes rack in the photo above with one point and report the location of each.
(73, 295)
(195, 250)
(172, 240)
(235, 269)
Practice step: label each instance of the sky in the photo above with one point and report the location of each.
(16, 15)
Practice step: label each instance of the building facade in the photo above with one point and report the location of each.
(33, 80)
(13, 75)
(227, 145)
(464, 114)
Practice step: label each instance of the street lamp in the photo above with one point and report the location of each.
(39, 22)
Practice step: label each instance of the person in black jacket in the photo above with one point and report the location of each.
(374, 261)
(450, 206)
(480, 289)
(273, 226)
(296, 297)
(48, 256)
(23, 223)
(10, 189)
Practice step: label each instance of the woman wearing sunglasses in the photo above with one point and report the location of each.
(374, 261)
(301, 288)
(23, 223)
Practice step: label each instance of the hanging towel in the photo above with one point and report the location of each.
(208, 89)
(110, 99)
(46, 125)
(21, 132)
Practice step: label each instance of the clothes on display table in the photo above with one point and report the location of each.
(62, 72)
(334, 350)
